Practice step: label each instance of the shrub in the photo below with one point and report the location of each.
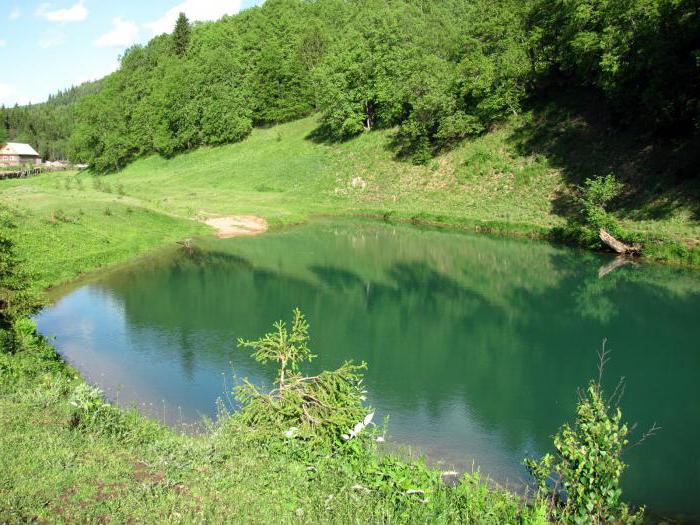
(24, 333)
(91, 412)
(596, 195)
(16, 298)
(325, 410)
(587, 466)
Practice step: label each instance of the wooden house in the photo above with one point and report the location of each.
(17, 154)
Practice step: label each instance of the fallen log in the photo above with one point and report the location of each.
(618, 246)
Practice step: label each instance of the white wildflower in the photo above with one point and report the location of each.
(292, 432)
(359, 427)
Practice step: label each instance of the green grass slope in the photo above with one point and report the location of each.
(509, 180)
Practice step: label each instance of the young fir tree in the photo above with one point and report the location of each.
(16, 298)
(181, 35)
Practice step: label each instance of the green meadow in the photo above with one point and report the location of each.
(71, 223)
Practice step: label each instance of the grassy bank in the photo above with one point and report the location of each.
(126, 468)
(65, 456)
(518, 179)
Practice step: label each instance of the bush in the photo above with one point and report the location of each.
(596, 195)
(594, 198)
(16, 298)
(325, 410)
(587, 466)
(91, 412)
(23, 332)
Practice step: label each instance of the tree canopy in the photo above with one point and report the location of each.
(45, 126)
(434, 71)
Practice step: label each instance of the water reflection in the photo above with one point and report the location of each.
(475, 345)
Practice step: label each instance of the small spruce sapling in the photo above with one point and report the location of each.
(325, 409)
(288, 349)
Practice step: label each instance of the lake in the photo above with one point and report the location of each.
(475, 345)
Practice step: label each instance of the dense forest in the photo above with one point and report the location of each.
(46, 126)
(436, 71)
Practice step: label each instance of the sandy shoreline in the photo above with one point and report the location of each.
(237, 225)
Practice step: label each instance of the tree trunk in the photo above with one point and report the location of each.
(618, 246)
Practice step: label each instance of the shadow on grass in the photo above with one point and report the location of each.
(577, 134)
(324, 135)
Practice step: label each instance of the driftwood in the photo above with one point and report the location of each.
(618, 246)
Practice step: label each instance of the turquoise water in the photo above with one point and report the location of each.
(476, 346)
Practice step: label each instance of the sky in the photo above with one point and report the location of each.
(49, 46)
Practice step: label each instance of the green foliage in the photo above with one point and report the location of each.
(325, 410)
(389, 70)
(289, 349)
(46, 126)
(364, 66)
(596, 194)
(181, 35)
(438, 72)
(90, 412)
(642, 54)
(16, 300)
(87, 401)
(24, 333)
(587, 467)
(160, 103)
(593, 199)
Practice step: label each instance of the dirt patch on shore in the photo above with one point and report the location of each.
(237, 225)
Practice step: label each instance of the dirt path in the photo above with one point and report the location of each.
(237, 225)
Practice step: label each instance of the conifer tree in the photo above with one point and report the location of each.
(16, 299)
(181, 35)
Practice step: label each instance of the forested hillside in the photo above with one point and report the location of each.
(46, 126)
(437, 71)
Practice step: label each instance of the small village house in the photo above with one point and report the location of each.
(18, 154)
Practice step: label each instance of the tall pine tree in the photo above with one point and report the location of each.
(181, 35)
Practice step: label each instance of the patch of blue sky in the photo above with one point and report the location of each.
(50, 46)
